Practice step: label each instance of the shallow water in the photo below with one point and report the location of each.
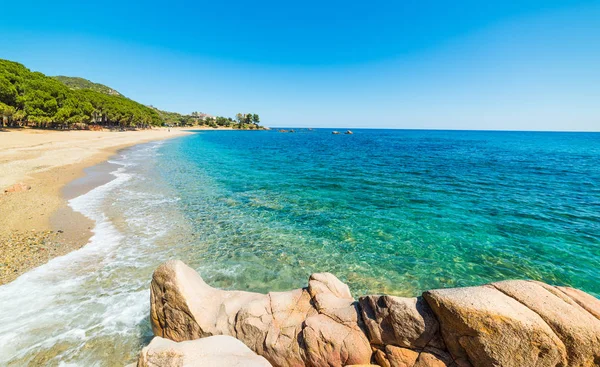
(387, 211)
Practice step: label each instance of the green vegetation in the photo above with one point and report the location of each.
(200, 119)
(33, 99)
(80, 83)
(247, 121)
(174, 118)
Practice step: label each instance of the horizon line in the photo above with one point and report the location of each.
(432, 129)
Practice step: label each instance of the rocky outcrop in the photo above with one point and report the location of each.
(184, 307)
(512, 323)
(215, 351)
(516, 323)
(315, 326)
(483, 326)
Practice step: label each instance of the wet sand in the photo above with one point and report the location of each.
(37, 224)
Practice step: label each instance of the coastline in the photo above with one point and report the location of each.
(38, 224)
(199, 199)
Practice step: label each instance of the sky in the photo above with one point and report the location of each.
(484, 65)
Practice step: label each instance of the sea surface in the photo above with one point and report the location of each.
(387, 211)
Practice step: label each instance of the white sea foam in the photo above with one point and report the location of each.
(64, 308)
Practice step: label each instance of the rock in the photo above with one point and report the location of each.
(403, 357)
(18, 187)
(590, 303)
(184, 307)
(578, 329)
(329, 343)
(315, 326)
(404, 322)
(215, 351)
(380, 357)
(336, 330)
(432, 357)
(342, 310)
(400, 357)
(272, 329)
(485, 327)
(327, 283)
(508, 324)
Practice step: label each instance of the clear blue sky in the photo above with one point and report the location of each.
(526, 65)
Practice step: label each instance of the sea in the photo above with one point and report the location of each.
(387, 211)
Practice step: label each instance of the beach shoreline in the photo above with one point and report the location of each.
(37, 222)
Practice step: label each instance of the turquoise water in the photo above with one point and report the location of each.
(387, 211)
(390, 211)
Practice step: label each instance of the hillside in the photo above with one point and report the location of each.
(29, 98)
(34, 99)
(81, 83)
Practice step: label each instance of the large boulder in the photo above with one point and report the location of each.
(272, 327)
(215, 351)
(314, 326)
(578, 329)
(403, 322)
(330, 343)
(518, 323)
(334, 336)
(485, 327)
(184, 307)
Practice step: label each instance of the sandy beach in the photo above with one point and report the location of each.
(37, 223)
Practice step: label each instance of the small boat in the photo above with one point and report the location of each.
(335, 132)
(349, 132)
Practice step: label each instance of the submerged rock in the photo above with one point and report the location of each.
(512, 323)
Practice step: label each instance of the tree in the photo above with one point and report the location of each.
(8, 92)
(240, 117)
(43, 101)
(18, 116)
(222, 121)
(37, 100)
(210, 121)
(6, 112)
